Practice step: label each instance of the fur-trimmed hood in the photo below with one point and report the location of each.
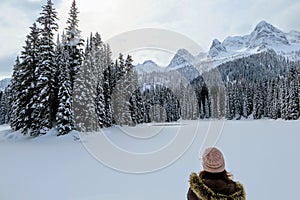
(203, 192)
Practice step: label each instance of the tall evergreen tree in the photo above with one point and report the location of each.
(109, 81)
(74, 42)
(137, 107)
(64, 115)
(293, 101)
(15, 85)
(258, 110)
(5, 107)
(100, 105)
(45, 73)
(284, 98)
(27, 78)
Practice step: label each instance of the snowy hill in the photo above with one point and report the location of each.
(4, 83)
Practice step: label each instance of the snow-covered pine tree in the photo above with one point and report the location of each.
(100, 105)
(214, 92)
(221, 102)
(258, 102)
(137, 107)
(275, 105)
(43, 101)
(93, 84)
(4, 107)
(74, 42)
(15, 86)
(230, 108)
(118, 92)
(192, 104)
(284, 98)
(131, 85)
(109, 82)
(85, 91)
(104, 87)
(64, 115)
(80, 92)
(1, 93)
(245, 104)
(238, 101)
(293, 101)
(1, 116)
(27, 80)
(250, 89)
(122, 90)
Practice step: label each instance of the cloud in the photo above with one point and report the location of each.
(15, 18)
(200, 20)
(6, 64)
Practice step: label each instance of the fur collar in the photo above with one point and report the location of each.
(203, 192)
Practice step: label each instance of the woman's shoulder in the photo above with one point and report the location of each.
(215, 189)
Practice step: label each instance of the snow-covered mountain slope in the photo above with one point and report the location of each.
(264, 37)
(4, 83)
(216, 48)
(293, 37)
(181, 58)
(147, 67)
(185, 63)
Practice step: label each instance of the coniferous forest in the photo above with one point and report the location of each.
(69, 83)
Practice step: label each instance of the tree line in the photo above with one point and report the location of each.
(75, 84)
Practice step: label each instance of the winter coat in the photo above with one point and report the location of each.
(206, 189)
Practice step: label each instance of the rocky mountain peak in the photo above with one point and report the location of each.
(216, 48)
(265, 34)
(182, 56)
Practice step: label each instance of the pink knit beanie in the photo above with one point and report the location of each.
(213, 160)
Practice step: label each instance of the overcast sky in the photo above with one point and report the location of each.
(198, 20)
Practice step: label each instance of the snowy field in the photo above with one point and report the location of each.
(263, 155)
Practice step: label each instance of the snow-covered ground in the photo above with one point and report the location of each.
(263, 155)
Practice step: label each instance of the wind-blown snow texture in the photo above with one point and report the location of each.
(262, 154)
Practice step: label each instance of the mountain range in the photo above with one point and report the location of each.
(264, 37)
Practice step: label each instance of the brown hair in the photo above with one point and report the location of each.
(226, 176)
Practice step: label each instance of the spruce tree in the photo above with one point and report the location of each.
(64, 115)
(284, 98)
(100, 105)
(293, 101)
(28, 67)
(15, 86)
(109, 81)
(74, 43)
(84, 92)
(42, 103)
(258, 110)
(4, 107)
